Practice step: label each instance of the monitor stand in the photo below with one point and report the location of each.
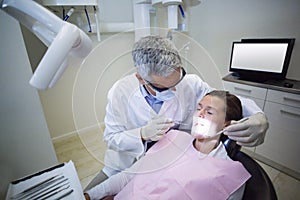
(257, 79)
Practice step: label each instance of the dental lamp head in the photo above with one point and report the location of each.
(61, 38)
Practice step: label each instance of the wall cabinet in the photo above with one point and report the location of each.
(281, 146)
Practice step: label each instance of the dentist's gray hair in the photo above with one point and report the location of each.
(154, 55)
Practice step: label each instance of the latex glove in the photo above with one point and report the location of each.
(156, 128)
(249, 133)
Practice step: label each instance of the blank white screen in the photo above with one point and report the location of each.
(259, 57)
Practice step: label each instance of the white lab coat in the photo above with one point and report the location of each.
(127, 111)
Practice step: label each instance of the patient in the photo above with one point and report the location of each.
(185, 166)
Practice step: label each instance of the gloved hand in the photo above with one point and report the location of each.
(249, 133)
(156, 128)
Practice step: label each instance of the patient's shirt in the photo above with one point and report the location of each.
(174, 169)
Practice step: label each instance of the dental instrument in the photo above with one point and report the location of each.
(181, 11)
(66, 17)
(180, 123)
(88, 19)
(242, 120)
(237, 122)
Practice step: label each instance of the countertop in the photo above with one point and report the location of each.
(286, 85)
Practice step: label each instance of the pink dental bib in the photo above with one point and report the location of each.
(183, 174)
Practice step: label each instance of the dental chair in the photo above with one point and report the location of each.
(259, 186)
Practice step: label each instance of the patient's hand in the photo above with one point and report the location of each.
(87, 197)
(108, 198)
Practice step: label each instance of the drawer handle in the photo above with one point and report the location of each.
(291, 99)
(290, 113)
(242, 89)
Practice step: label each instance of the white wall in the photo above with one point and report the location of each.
(214, 24)
(25, 144)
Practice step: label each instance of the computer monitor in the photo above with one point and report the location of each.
(261, 59)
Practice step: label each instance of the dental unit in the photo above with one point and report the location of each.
(143, 8)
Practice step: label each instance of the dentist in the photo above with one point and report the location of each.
(160, 96)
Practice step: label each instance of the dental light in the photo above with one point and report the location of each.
(61, 38)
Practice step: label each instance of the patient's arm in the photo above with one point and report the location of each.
(111, 186)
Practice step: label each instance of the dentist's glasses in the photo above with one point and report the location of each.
(182, 74)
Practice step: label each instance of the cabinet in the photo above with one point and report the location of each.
(255, 93)
(282, 140)
(282, 107)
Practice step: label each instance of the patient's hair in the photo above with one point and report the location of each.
(233, 104)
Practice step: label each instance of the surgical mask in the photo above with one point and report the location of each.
(164, 95)
(203, 128)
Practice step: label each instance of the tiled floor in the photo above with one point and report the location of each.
(287, 188)
(87, 152)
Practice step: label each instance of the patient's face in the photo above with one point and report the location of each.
(209, 116)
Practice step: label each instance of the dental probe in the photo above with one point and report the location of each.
(237, 122)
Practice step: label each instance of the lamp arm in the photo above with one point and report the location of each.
(54, 57)
(61, 37)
